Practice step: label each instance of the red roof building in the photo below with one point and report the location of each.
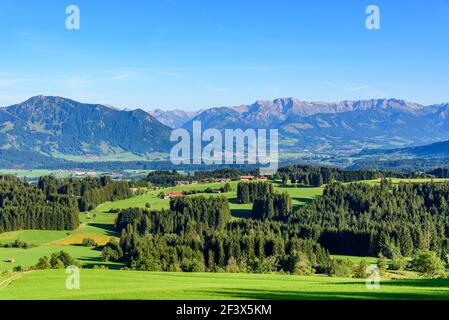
(174, 194)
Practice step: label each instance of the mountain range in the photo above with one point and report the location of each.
(317, 131)
(342, 128)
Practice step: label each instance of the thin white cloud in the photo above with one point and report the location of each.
(214, 88)
(6, 83)
(329, 83)
(273, 89)
(104, 76)
(220, 90)
(118, 75)
(8, 79)
(251, 69)
(171, 74)
(358, 88)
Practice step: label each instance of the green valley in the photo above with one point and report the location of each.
(99, 278)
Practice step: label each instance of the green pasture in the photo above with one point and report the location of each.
(109, 284)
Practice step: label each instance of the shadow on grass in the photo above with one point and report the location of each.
(233, 201)
(260, 294)
(421, 283)
(108, 228)
(303, 200)
(415, 283)
(241, 213)
(295, 186)
(91, 262)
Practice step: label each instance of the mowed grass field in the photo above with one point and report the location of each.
(112, 285)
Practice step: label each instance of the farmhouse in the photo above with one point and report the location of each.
(175, 194)
(247, 178)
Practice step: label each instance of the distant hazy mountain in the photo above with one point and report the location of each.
(422, 158)
(440, 149)
(281, 111)
(434, 150)
(174, 118)
(343, 127)
(54, 125)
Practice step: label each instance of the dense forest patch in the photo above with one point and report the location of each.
(389, 219)
(23, 206)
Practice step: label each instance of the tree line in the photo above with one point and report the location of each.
(394, 220)
(308, 175)
(54, 204)
(197, 234)
(267, 204)
(162, 178)
(90, 191)
(274, 206)
(248, 192)
(24, 206)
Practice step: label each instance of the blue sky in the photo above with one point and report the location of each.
(192, 54)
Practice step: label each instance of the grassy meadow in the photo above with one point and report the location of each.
(111, 285)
